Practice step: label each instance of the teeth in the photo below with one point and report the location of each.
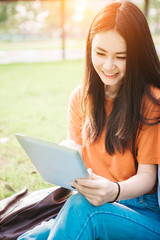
(109, 74)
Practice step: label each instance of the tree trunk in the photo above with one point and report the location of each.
(146, 8)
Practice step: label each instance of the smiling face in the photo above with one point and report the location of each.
(109, 52)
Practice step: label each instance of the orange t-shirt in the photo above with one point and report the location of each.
(118, 167)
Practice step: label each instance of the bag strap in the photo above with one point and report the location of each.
(61, 194)
(6, 203)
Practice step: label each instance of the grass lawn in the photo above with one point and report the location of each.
(33, 101)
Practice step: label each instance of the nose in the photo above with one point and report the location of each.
(109, 64)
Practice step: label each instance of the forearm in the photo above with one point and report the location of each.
(99, 190)
(141, 183)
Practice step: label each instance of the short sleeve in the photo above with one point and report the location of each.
(148, 147)
(74, 118)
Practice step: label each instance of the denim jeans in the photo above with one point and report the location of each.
(136, 219)
(159, 184)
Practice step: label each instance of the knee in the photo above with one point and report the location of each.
(78, 203)
(78, 200)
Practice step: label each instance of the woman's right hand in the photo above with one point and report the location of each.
(97, 190)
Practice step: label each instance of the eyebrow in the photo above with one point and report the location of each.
(101, 49)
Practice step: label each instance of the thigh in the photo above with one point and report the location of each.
(79, 220)
(146, 205)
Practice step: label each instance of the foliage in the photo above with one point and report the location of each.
(43, 18)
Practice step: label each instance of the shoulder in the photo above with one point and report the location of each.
(76, 94)
(151, 108)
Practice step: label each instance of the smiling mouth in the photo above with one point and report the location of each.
(110, 75)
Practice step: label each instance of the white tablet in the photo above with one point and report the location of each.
(57, 164)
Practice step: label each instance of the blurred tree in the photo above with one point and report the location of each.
(154, 16)
(146, 8)
(28, 16)
(7, 13)
(3, 13)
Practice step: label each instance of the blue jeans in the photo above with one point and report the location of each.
(159, 184)
(134, 219)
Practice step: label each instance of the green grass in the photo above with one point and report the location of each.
(33, 101)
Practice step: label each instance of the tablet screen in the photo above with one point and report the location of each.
(57, 164)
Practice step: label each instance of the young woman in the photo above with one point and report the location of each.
(114, 117)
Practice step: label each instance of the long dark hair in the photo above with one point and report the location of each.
(142, 71)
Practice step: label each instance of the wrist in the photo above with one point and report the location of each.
(117, 192)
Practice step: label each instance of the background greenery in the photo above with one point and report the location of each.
(33, 101)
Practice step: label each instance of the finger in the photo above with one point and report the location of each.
(93, 201)
(90, 171)
(90, 183)
(94, 196)
(90, 200)
(89, 197)
(93, 175)
(87, 191)
(81, 188)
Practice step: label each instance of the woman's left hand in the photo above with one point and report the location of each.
(97, 190)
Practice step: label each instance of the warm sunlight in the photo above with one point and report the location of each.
(80, 7)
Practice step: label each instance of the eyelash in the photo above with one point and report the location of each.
(122, 58)
(102, 54)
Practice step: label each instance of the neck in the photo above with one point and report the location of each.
(110, 92)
